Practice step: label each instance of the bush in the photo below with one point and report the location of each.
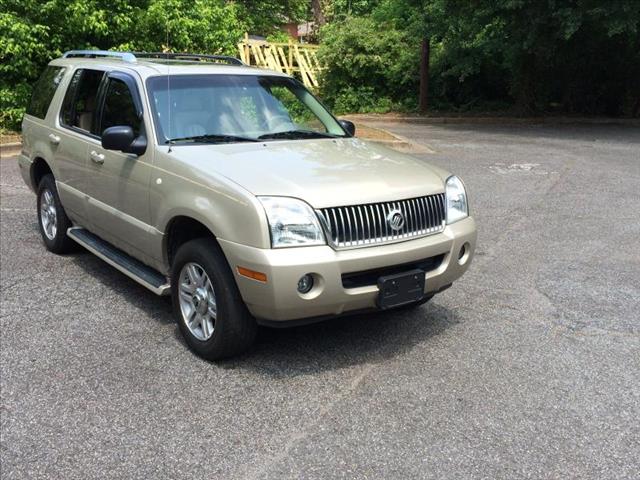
(360, 100)
(370, 67)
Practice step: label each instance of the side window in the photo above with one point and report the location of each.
(43, 91)
(119, 108)
(79, 107)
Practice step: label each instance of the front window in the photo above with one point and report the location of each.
(119, 108)
(80, 102)
(234, 108)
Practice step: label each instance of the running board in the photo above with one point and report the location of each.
(134, 269)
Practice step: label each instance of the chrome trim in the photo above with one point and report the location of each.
(364, 225)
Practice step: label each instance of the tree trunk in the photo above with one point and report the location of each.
(318, 16)
(524, 85)
(424, 76)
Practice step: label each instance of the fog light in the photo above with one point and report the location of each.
(463, 254)
(305, 284)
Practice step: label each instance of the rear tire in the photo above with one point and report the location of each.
(52, 219)
(211, 315)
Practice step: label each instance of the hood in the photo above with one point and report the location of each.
(323, 172)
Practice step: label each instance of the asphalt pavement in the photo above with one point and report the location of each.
(528, 367)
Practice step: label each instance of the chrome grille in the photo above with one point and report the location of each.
(362, 225)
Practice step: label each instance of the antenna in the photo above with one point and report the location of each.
(168, 89)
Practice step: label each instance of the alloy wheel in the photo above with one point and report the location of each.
(197, 301)
(48, 214)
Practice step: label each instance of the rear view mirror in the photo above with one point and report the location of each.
(122, 138)
(348, 126)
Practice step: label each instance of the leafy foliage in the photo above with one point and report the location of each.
(33, 32)
(21, 52)
(370, 66)
(264, 17)
(573, 56)
(188, 25)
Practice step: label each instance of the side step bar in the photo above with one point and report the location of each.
(134, 269)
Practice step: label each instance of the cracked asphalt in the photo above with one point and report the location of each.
(528, 367)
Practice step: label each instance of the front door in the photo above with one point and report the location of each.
(118, 183)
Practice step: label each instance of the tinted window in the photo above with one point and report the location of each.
(119, 108)
(43, 91)
(79, 107)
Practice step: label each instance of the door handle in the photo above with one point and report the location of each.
(54, 139)
(97, 157)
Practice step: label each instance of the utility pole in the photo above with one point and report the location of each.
(424, 75)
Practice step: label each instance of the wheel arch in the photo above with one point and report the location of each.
(180, 229)
(39, 168)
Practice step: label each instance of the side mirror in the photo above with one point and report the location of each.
(348, 126)
(122, 138)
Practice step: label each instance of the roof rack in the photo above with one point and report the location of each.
(190, 57)
(133, 56)
(125, 56)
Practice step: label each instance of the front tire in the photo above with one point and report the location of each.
(52, 219)
(211, 315)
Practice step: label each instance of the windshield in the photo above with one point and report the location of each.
(236, 108)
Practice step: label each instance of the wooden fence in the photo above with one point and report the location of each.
(292, 58)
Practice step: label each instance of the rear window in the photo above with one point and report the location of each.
(43, 91)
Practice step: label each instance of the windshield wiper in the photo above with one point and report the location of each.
(211, 138)
(295, 134)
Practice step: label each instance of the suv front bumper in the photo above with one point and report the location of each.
(278, 299)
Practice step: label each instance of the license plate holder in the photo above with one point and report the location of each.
(401, 289)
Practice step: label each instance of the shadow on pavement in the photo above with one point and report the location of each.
(159, 308)
(281, 353)
(342, 342)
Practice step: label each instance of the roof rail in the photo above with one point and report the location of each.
(133, 56)
(190, 56)
(125, 56)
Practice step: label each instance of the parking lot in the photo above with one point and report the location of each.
(528, 367)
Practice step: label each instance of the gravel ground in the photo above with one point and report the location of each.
(528, 367)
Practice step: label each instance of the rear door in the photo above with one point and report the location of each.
(118, 183)
(39, 138)
(74, 133)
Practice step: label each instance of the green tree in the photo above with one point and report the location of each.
(33, 32)
(370, 66)
(575, 56)
(188, 26)
(264, 17)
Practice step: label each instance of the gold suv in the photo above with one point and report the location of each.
(235, 191)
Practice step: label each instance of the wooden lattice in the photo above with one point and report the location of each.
(292, 58)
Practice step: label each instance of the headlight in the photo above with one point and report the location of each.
(292, 222)
(457, 206)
